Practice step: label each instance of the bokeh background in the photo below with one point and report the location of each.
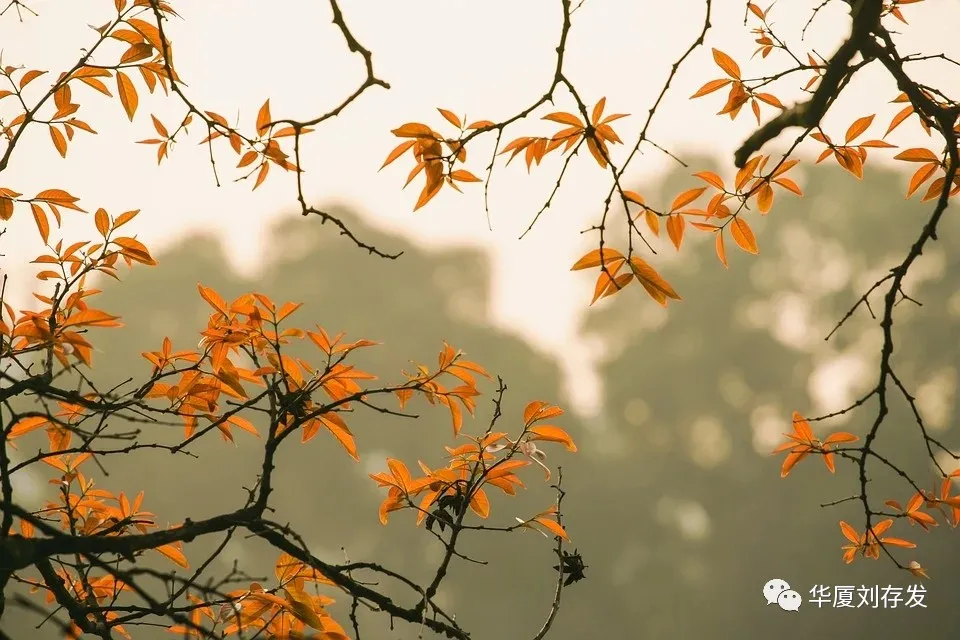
(673, 499)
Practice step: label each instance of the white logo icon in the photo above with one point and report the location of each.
(789, 600)
(773, 589)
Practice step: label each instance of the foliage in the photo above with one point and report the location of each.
(86, 545)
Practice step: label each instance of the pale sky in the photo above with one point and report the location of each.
(488, 59)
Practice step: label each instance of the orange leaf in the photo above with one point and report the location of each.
(29, 77)
(553, 434)
(464, 176)
(539, 410)
(174, 554)
(765, 198)
(922, 174)
(594, 148)
(398, 151)
(743, 235)
(658, 288)
(905, 113)
(26, 425)
(721, 250)
(263, 118)
(213, 299)
(711, 178)
(414, 130)
(675, 225)
(858, 127)
(102, 220)
(552, 526)
(451, 117)
(564, 118)
(593, 258)
(41, 219)
(59, 142)
(128, 94)
(480, 503)
(917, 155)
(429, 191)
(686, 198)
(710, 87)
(262, 174)
(598, 110)
(726, 63)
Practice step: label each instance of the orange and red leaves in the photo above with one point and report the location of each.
(609, 283)
(803, 442)
(652, 282)
(426, 147)
(739, 94)
(575, 132)
(913, 513)
(930, 164)
(868, 544)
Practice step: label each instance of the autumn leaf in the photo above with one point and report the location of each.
(597, 257)
(450, 117)
(127, 93)
(263, 118)
(858, 127)
(917, 155)
(726, 63)
(711, 86)
(59, 142)
(654, 284)
(743, 235)
(686, 198)
(553, 527)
